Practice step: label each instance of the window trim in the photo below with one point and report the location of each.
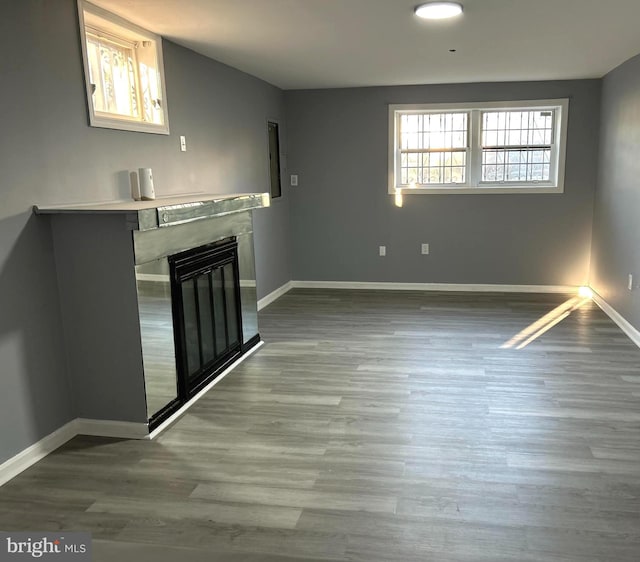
(473, 184)
(107, 121)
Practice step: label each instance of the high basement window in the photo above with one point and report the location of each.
(124, 73)
(503, 147)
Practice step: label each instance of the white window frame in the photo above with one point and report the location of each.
(473, 184)
(125, 33)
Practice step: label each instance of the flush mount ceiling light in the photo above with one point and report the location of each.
(438, 10)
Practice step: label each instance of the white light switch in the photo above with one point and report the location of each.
(630, 283)
(424, 249)
(383, 250)
(183, 143)
(294, 180)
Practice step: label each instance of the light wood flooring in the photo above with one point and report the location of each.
(377, 426)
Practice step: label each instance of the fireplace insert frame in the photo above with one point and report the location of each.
(185, 267)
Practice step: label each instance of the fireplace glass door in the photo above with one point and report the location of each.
(207, 319)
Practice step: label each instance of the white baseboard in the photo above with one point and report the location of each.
(155, 277)
(31, 455)
(80, 426)
(166, 423)
(375, 285)
(100, 428)
(112, 428)
(274, 295)
(621, 321)
(463, 287)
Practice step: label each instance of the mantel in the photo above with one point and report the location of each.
(167, 211)
(118, 285)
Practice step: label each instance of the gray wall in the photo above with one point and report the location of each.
(341, 212)
(49, 155)
(616, 236)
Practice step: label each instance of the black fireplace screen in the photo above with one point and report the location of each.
(206, 311)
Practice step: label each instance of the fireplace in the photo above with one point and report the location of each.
(158, 300)
(206, 304)
(197, 306)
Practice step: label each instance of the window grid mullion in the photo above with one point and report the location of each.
(475, 148)
(138, 84)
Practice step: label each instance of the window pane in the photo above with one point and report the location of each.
(431, 145)
(150, 82)
(458, 158)
(517, 128)
(515, 144)
(434, 131)
(513, 173)
(489, 172)
(457, 175)
(490, 138)
(516, 165)
(433, 167)
(112, 77)
(536, 172)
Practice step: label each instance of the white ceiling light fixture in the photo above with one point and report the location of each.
(438, 10)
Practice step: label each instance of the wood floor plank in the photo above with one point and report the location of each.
(295, 497)
(250, 515)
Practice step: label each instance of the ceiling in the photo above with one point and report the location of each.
(296, 44)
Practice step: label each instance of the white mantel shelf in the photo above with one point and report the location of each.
(166, 211)
(129, 205)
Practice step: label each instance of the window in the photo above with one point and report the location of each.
(509, 147)
(123, 73)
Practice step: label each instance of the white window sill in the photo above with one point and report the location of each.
(479, 190)
(104, 122)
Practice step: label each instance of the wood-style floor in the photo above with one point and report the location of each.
(377, 426)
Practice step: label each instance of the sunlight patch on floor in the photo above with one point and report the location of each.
(532, 332)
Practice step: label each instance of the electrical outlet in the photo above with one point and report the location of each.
(424, 249)
(630, 282)
(294, 180)
(383, 250)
